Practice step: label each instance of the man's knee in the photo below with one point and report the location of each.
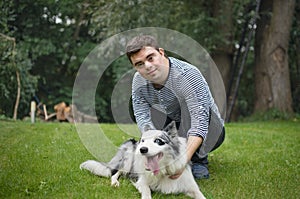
(220, 140)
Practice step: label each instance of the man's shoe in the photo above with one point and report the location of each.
(200, 171)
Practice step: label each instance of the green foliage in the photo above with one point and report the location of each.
(43, 162)
(110, 17)
(49, 45)
(15, 60)
(54, 37)
(192, 18)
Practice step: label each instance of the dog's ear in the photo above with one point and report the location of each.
(147, 127)
(171, 129)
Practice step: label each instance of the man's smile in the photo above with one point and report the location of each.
(152, 72)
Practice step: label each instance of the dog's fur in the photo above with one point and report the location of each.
(149, 163)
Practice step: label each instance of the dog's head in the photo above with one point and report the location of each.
(155, 145)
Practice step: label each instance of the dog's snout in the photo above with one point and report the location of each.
(144, 150)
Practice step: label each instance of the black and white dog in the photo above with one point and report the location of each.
(149, 163)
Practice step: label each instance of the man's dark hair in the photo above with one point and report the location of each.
(139, 42)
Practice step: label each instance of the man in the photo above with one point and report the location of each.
(166, 89)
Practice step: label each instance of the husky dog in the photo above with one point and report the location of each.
(149, 164)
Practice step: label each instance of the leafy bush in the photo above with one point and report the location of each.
(15, 60)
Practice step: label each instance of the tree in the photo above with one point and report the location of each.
(223, 54)
(273, 89)
(51, 42)
(53, 38)
(17, 84)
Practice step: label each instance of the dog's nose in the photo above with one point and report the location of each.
(144, 150)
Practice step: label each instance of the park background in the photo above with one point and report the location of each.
(43, 43)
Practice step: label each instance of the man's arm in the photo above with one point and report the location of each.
(193, 144)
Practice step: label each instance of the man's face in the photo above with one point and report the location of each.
(151, 64)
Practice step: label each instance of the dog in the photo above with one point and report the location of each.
(149, 163)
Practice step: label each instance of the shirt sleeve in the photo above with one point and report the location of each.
(197, 95)
(141, 107)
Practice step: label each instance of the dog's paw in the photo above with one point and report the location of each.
(147, 197)
(115, 183)
(114, 180)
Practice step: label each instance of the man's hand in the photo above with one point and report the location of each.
(193, 144)
(177, 174)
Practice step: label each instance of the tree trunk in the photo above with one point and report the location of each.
(272, 80)
(223, 54)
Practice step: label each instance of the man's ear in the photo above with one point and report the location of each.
(161, 51)
(171, 129)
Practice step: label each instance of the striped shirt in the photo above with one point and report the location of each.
(185, 85)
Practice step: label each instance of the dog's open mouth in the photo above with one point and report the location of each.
(152, 163)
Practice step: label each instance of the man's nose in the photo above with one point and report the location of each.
(148, 65)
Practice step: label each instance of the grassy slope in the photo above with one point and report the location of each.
(257, 160)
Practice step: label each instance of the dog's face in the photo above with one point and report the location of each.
(155, 144)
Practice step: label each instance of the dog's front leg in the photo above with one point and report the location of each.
(143, 188)
(194, 191)
(114, 179)
(196, 194)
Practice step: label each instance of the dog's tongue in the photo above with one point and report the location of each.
(152, 164)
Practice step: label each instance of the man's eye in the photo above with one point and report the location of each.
(139, 65)
(150, 59)
(159, 141)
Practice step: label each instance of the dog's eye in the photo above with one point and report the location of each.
(142, 140)
(159, 141)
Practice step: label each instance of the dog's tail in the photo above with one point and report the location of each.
(122, 161)
(97, 168)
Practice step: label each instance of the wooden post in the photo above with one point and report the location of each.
(45, 112)
(32, 111)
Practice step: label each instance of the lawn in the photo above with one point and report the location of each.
(257, 160)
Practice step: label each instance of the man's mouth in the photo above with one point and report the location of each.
(151, 72)
(152, 163)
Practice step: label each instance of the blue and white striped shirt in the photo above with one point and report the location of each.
(185, 85)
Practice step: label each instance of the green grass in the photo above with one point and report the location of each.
(257, 160)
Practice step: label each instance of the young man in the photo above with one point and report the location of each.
(166, 89)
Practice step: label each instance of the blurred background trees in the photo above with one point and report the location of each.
(45, 41)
